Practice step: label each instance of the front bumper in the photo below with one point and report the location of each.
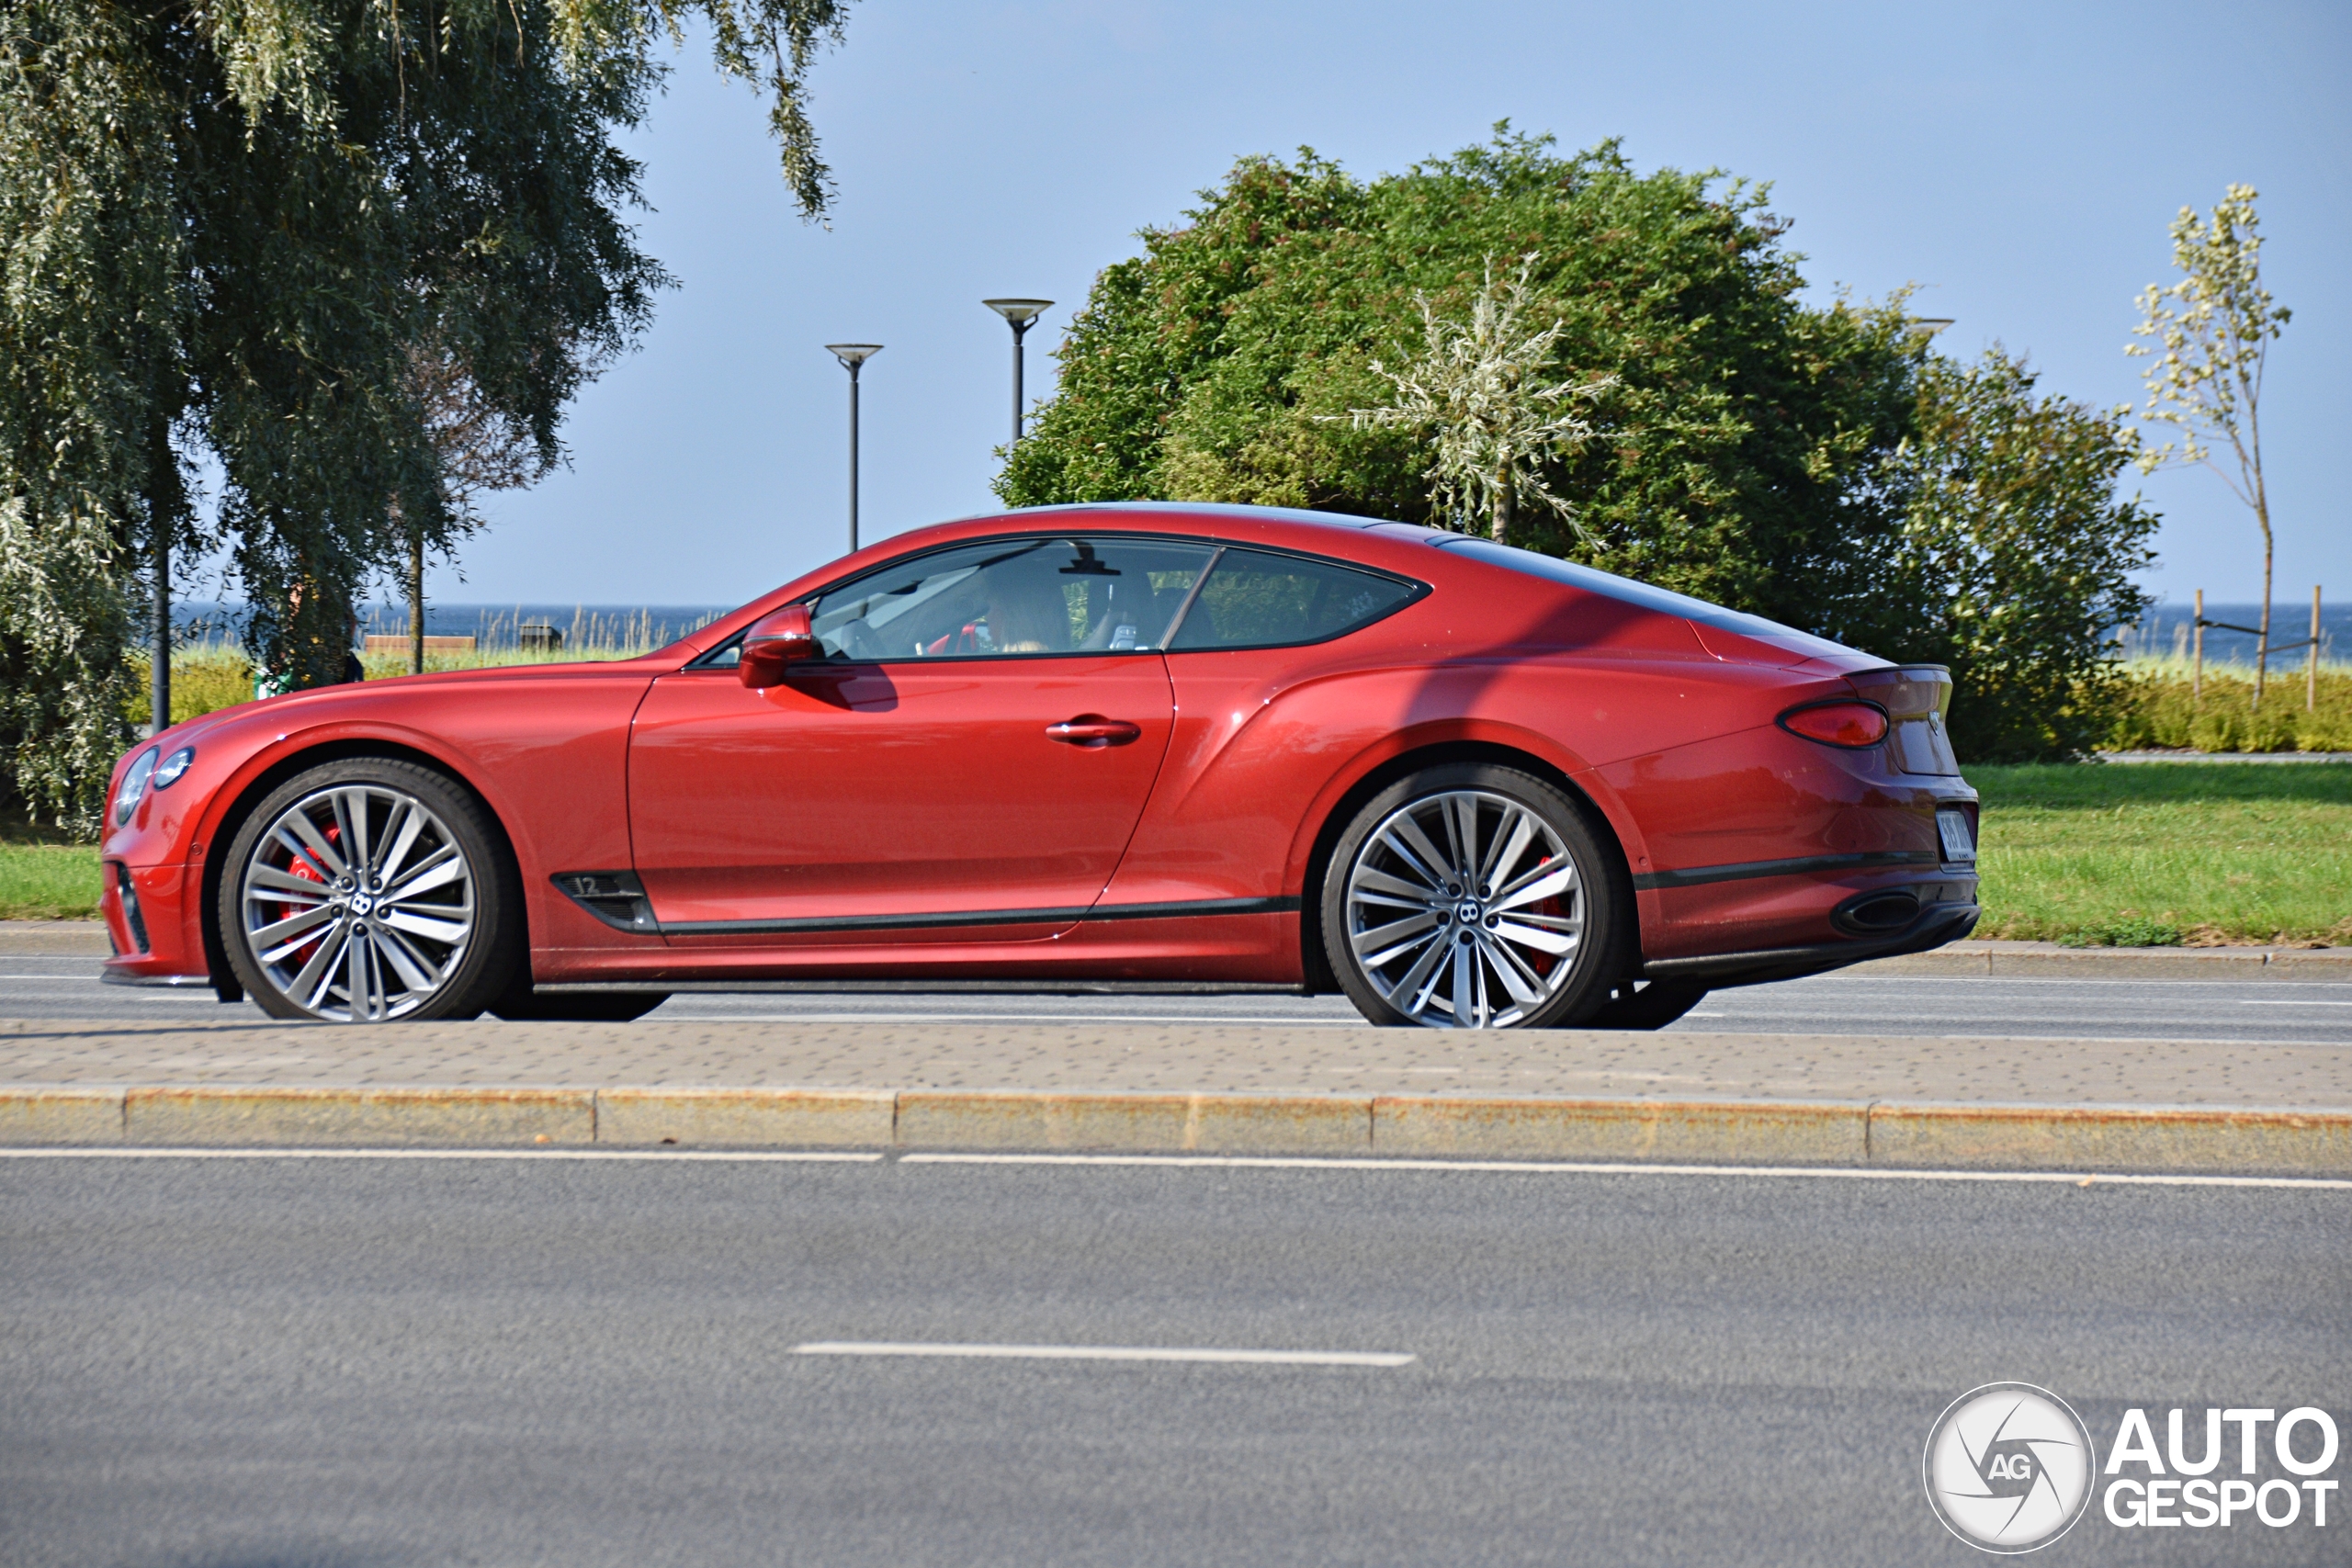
(146, 913)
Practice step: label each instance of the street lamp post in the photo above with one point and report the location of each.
(852, 356)
(1018, 314)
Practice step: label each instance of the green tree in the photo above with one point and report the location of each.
(224, 234)
(2015, 562)
(2215, 325)
(1733, 456)
(1815, 464)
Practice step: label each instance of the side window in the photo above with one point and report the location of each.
(1258, 599)
(1007, 598)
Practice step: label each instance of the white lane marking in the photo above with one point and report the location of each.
(724, 1156)
(1531, 1168)
(1252, 1162)
(2265, 1003)
(1101, 1353)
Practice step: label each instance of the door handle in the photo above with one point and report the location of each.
(1093, 731)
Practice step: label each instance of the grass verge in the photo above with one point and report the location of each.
(2164, 853)
(44, 876)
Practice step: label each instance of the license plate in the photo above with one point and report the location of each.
(1958, 843)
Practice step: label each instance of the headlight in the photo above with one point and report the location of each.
(174, 766)
(134, 786)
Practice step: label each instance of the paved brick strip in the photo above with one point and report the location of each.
(1776, 1099)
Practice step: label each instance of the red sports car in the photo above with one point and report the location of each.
(1469, 785)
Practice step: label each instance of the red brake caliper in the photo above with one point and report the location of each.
(299, 867)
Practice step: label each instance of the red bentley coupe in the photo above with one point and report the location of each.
(1469, 785)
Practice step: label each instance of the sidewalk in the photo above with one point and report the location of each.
(1783, 1100)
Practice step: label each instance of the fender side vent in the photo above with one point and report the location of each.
(615, 898)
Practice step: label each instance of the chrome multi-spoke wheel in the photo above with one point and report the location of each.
(361, 894)
(1472, 907)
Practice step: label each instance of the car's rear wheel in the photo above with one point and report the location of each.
(1472, 896)
(370, 889)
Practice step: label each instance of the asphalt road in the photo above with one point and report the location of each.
(2305, 1011)
(352, 1362)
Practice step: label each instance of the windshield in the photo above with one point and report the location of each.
(1626, 590)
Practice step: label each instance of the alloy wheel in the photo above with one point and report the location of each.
(1465, 910)
(358, 903)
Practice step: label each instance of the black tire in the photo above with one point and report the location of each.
(1546, 956)
(522, 1004)
(408, 935)
(1652, 1006)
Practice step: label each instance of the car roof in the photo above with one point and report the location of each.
(1234, 511)
(1270, 524)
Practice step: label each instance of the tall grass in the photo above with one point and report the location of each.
(2167, 711)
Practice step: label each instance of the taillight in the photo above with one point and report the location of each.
(1842, 722)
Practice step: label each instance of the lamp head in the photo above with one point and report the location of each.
(1020, 313)
(853, 354)
(1928, 326)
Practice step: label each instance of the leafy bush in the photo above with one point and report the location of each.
(204, 680)
(2015, 561)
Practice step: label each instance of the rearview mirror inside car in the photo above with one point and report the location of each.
(779, 639)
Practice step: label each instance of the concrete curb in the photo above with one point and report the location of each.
(2048, 960)
(1876, 1133)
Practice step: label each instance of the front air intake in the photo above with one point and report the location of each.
(131, 915)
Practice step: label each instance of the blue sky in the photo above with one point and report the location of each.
(2019, 162)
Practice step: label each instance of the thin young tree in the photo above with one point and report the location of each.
(2212, 329)
(480, 446)
(1477, 393)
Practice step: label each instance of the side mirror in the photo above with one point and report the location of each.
(779, 639)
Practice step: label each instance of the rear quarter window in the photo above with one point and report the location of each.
(1264, 599)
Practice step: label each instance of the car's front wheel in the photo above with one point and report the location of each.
(370, 889)
(1472, 896)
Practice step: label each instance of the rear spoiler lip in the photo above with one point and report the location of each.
(1907, 691)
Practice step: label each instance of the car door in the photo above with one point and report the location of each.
(972, 751)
